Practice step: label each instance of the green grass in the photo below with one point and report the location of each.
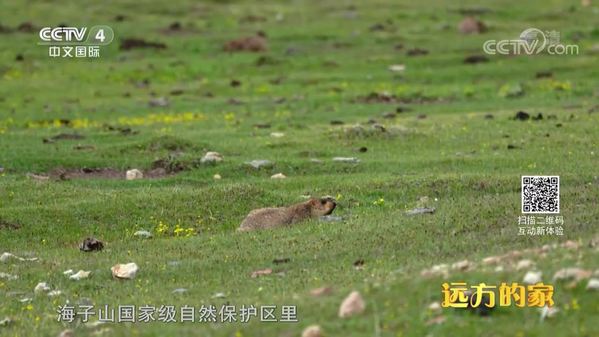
(455, 156)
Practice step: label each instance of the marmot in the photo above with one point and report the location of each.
(255, 44)
(282, 216)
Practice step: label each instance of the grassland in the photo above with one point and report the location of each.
(324, 57)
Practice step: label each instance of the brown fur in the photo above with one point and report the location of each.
(250, 43)
(283, 216)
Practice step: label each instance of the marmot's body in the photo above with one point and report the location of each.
(282, 216)
(250, 43)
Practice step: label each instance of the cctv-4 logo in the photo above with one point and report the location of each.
(72, 42)
(98, 35)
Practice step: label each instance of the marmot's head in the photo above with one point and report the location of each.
(322, 206)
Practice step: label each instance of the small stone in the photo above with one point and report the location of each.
(6, 256)
(570, 245)
(524, 264)
(593, 284)
(159, 102)
(219, 295)
(434, 306)
(37, 177)
(211, 157)
(352, 305)
(217, 177)
(322, 291)
(277, 135)
(134, 174)
(261, 272)
(491, 260)
(180, 291)
(143, 234)
(260, 163)
(462, 265)
(436, 270)
(8, 277)
(124, 271)
(312, 331)
(6, 321)
(548, 312)
(572, 273)
(498, 269)
(54, 293)
(316, 161)
(41, 287)
(533, 277)
(349, 160)
(397, 68)
(68, 272)
(80, 275)
(67, 333)
(278, 176)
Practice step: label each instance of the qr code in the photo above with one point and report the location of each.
(540, 194)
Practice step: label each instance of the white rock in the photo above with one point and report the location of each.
(351, 160)
(8, 277)
(143, 234)
(397, 68)
(353, 304)
(80, 275)
(54, 293)
(571, 273)
(179, 291)
(278, 176)
(124, 271)
(41, 287)
(219, 295)
(211, 157)
(67, 333)
(462, 265)
(217, 177)
(68, 272)
(436, 270)
(491, 260)
(533, 277)
(26, 299)
(434, 306)
(312, 331)
(498, 269)
(593, 284)
(277, 134)
(7, 256)
(134, 174)
(524, 264)
(548, 312)
(159, 101)
(6, 321)
(259, 163)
